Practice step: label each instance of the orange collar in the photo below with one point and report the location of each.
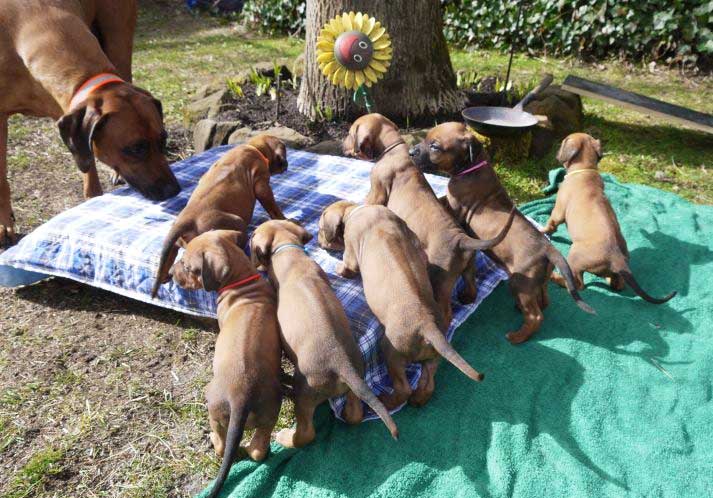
(91, 85)
(265, 159)
(239, 283)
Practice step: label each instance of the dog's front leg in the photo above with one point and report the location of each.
(92, 185)
(7, 220)
(263, 193)
(349, 267)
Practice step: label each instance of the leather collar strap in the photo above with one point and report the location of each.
(91, 85)
(353, 211)
(239, 283)
(390, 148)
(475, 167)
(570, 173)
(288, 246)
(265, 159)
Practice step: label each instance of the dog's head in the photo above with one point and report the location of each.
(272, 234)
(274, 150)
(448, 148)
(122, 126)
(331, 226)
(369, 136)
(209, 260)
(580, 148)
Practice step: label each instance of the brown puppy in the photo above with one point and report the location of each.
(597, 243)
(480, 203)
(315, 332)
(398, 184)
(380, 246)
(245, 391)
(225, 196)
(49, 49)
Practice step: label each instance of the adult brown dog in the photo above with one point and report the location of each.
(393, 267)
(598, 245)
(315, 332)
(63, 59)
(398, 184)
(245, 391)
(479, 201)
(225, 197)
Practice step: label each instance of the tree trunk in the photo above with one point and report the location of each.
(420, 82)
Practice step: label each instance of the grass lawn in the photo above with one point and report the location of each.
(103, 396)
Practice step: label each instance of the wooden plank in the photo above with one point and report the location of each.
(698, 120)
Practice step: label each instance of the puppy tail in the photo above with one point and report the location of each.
(471, 244)
(558, 260)
(364, 393)
(622, 268)
(444, 348)
(168, 255)
(238, 415)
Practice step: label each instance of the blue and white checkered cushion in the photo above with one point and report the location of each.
(113, 242)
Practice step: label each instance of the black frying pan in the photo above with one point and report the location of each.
(505, 121)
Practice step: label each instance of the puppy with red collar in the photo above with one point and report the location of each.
(245, 391)
(225, 197)
(598, 245)
(481, 204)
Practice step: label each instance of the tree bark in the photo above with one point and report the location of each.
(420, 82)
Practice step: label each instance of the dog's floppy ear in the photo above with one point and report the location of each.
(331, 224)
(78, 129)
(568, 150)
(260, 249)
(362, 144)
(597, 146)
(303, 234)
(213, 272)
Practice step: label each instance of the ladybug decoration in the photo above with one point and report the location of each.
(354, 51)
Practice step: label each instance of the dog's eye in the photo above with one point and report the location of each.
(137, 150)
(435, 147)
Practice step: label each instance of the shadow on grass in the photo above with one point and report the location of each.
(688, 148)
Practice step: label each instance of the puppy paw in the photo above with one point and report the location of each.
(256, 454)
(7, 229)
(343, 271)
(218, 445)
(286, 437)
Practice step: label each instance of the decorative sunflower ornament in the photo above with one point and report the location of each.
(354, 51)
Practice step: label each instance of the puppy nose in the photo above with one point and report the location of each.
(413, 151)
(170, 190)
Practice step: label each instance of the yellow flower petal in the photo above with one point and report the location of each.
(368, 24)
(337, 26)
(330, 68)
(338, 76)
(377, 33)
(325, 57)
(326, 35)
(381, 55)
(381, 44)
(349, 80)
(371, 75)
(325, 45)
(346, 22)
(358, 21)
(359, 78)
(378, 66)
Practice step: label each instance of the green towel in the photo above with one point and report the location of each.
(617, 404)
(554, 177)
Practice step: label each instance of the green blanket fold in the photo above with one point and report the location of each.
(617, 404)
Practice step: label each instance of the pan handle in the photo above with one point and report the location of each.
(546, 81)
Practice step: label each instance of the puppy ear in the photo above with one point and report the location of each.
(303, 234)
(159, 106)
(182, 242)
(260, 250)
(331, 224)
(597, 146)
(78, 129)
(363, 145)
(568, 150)
(213, 272)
